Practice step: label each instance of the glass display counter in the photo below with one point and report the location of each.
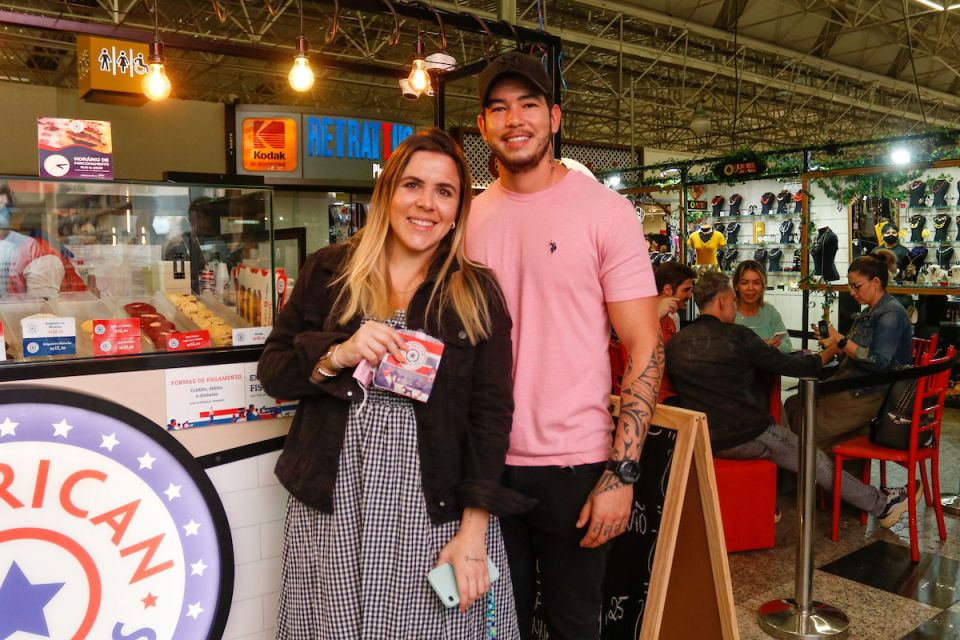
(96, 270)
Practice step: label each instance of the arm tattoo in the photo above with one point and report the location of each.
(607, 482)
(638, 401)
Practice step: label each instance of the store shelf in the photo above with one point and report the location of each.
(746, 217)
(757, 245)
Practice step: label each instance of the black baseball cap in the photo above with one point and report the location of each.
(517, 65)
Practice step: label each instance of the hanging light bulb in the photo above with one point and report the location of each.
(419, 78)
(301, 75)
(156, 84)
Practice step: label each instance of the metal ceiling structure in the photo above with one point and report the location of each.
(767, 73)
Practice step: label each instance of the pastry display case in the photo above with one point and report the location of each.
(91, 271)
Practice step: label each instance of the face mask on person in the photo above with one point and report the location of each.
(5, 215)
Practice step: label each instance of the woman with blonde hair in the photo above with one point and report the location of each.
(384, 488)
(749, 283)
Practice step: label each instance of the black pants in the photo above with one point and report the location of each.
(571, 577)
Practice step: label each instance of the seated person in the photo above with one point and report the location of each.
(749, 283)
(880, 339)
(712, 363)
(674, 290)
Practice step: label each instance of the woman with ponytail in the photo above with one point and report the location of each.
(880, 339)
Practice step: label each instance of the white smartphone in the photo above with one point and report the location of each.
(444, 582)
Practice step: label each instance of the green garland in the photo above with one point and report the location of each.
(845, 189)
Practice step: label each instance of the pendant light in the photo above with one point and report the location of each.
(156, 84)
(301, 75)
(419, 78)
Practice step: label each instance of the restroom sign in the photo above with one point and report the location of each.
(115, 66)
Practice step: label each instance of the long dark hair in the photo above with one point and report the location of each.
(872, 267)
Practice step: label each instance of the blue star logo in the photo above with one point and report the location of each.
(22, 603)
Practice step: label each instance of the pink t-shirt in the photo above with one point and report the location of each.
(560, 255)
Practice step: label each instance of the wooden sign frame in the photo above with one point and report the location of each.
(690, 593)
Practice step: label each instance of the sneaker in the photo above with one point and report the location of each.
(897, 504)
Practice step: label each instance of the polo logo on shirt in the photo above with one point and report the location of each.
(553, 246)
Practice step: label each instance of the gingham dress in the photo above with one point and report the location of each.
(361, 572)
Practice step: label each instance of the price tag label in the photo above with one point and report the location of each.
(250, 335)
(118, 337)
(53, 336)
(188, 340)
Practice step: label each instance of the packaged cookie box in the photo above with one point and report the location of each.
(255, 290)
(12, 312)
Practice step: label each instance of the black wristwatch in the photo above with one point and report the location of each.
(627, 470)
(842, 343)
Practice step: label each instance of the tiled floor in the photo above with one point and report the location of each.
(867, 573)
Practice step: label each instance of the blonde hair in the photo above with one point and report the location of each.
(366, 286)
(750, 265)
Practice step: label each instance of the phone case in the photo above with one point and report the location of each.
(444, 582)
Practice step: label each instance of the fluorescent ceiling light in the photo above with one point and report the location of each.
(936, 6)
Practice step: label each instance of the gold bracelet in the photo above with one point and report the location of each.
(327, 374)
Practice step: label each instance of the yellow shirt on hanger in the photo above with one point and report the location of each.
(707, 251)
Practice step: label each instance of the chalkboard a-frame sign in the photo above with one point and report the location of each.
(667, 576)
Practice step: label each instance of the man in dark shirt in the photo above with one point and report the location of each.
(712, 363)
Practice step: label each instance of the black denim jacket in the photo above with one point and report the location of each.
(462, 431)
(712, 365)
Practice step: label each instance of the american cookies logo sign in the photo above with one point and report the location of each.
(108, 527)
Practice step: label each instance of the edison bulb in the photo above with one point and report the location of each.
(419, 78)
(156, 84)
(301, 75)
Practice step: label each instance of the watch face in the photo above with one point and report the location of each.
(628, 471)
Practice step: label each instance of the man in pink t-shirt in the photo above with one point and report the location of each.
(572, 260)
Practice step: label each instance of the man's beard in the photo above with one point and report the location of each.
(517, 165)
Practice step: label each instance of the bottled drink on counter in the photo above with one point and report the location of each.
(222, 278)
(228, 295)
(207, 281)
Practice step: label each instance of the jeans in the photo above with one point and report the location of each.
(571, 577)
(782, 447)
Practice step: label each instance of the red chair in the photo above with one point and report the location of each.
(923, 347)
(927, 416)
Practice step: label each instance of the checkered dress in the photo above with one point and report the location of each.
(361, 572)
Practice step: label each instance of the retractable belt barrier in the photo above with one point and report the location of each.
(802, 617)
(874, 379)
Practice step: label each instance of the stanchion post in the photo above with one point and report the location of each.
(951, 504)
(802, 617)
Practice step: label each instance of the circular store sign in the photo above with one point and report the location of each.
(109, 529)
